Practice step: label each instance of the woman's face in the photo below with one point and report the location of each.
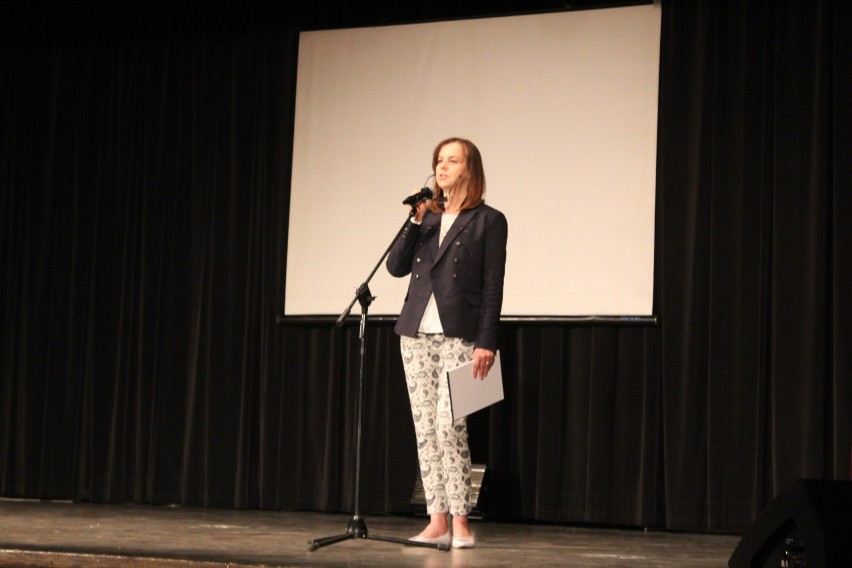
(451, 166)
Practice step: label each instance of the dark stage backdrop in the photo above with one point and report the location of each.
(144, 173)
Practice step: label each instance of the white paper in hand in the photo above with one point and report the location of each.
(467, 395)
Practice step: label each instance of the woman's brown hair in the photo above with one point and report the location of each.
(473, 164)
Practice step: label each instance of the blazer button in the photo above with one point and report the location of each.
(417, 277)
(418, 261)
(454, 276)
(456, 260)
(458, 243)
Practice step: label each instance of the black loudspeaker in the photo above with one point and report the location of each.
(810, 525)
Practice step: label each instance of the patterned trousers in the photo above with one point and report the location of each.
(442, 448)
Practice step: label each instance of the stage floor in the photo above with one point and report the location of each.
(59, 534)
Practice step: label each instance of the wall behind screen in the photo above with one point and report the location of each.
(562, 106)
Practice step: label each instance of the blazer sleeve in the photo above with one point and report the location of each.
(494, 270)
(402, 251)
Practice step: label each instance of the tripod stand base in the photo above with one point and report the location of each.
(357, 528)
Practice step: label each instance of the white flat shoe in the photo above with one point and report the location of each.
(464, 542)
(443, 539)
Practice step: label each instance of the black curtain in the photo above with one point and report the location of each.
(144, 187)
(144, 179)
(754, 253)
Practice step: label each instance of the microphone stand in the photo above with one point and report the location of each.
(357, 526)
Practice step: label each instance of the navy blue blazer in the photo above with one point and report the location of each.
(465, 274)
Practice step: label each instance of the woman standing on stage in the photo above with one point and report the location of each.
(454, 248)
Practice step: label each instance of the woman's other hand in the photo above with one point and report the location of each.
(483, 359)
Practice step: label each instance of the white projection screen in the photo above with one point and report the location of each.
(563, 107)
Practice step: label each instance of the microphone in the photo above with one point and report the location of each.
(426, 193)
(422, 195)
